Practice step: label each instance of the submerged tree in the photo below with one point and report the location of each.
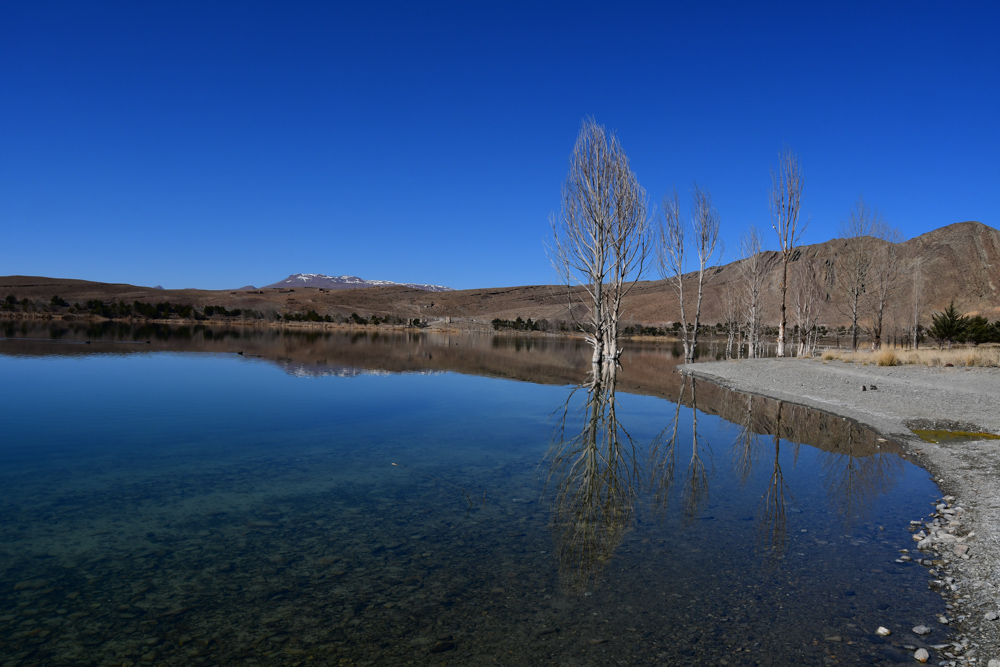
(600, 238)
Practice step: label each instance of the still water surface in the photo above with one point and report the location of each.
(345, 499)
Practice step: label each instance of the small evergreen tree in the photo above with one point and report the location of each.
(978, 330)
(948, 325)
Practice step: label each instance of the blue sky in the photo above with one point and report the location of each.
(219, 144)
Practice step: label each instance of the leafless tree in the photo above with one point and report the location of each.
(859, 231)
(671, 242)
(917, 300)
(786, 200)
(731, 315)
(884, 278)
(807, 295)
(753, 270)
(600, 239)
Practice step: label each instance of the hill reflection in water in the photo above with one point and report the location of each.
(175, 502)
(598, 471)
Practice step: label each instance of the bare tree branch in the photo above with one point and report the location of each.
(600, 238)
(786, 200)
(671, 244)
(753, 271)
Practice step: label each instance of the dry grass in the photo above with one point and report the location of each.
(965, 356)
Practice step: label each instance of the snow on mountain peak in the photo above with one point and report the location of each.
(347, 282)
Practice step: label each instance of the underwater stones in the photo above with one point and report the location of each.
(442, 646)
(31, 585)
(921, 630)
(883, 631)
(921, 655)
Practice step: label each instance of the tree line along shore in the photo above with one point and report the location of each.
(947, 328)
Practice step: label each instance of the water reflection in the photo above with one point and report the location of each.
(594, 475)
(603, 478)
(855, 477)
(772, 531)
(245, 516)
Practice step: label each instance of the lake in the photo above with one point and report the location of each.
(199, 496)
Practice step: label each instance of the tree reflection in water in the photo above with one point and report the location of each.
(598, 473)
(856, 477)
(594, 474)
(695, 491)
(772, 533)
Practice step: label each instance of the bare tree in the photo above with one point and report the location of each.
(807, 295)
(731, 315)
(786, 200)
(917, 300)
(884, 278)
(671, 249)
(752, 271)
(852, 278)
(600, 238)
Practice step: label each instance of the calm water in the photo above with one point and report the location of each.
(428, 499)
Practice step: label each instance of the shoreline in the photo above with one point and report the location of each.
(906, 397)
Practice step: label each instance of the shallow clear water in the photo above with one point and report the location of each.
(202, 507)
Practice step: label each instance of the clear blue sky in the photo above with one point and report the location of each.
(217, 144)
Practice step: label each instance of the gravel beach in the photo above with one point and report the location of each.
(964, 533)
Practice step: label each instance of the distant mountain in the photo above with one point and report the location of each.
(346, 282)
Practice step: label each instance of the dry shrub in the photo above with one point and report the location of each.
(988, 356)
(886, 357)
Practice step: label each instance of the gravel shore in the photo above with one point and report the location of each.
(895, 400)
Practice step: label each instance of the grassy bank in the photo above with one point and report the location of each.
(988, 356)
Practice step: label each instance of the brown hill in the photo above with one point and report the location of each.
(960, 262)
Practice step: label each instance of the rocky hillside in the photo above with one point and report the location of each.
(960, 262)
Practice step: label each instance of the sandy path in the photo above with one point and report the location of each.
(944, 397)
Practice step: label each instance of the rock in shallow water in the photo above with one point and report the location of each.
(921, 655)
(921, 630)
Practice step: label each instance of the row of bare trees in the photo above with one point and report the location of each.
(602, 241)
(870, 269)
(605, 241)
